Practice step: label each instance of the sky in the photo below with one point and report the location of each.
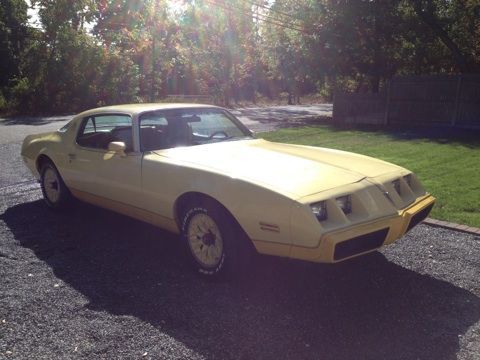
(33, 14)
(34, 21)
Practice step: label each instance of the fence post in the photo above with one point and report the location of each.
(334, 110)
(387, 102)
(457, 101)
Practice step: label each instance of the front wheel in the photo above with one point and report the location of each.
(213, 240)
(55, 192)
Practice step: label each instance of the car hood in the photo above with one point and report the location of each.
(290, 169)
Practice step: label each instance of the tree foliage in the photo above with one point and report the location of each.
(96, 52)
(14, 34)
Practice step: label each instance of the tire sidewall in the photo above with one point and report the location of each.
(61, 186)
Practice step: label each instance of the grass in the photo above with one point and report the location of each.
(447, 162)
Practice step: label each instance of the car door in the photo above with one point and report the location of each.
(94, 170)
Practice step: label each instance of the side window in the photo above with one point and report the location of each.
(153, 131)
(89, 126)
(100, 130)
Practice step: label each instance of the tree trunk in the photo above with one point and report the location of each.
(429, 18)
(375, 84)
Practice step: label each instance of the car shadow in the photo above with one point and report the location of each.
(366, 308)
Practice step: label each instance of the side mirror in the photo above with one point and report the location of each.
(118, 147)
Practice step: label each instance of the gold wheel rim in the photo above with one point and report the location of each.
(51, 184)
(205, 240)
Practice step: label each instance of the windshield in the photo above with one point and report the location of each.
(165, 129)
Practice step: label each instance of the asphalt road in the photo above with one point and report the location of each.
(89, 283)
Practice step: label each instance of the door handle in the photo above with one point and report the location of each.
(72, 156)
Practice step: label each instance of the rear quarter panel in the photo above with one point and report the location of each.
(55, 145)
(49, 144)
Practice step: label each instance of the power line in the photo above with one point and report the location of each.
(264, 18)
(260, 17)
(274, 11)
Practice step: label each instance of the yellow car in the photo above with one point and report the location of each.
(198, 171)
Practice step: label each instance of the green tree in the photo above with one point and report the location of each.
(13, 38)
(143, 32)
(222, 56)
(455, 24)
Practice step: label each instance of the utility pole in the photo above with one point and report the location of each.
(152, 76)
(154, 42)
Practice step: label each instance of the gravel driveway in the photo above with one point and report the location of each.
(90, 284)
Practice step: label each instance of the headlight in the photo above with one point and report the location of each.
(345, 203)
(396, 185)
(319, 210)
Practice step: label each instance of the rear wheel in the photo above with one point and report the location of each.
(55, 193)
(213, 240)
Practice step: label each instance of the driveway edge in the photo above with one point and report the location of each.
(452, 226)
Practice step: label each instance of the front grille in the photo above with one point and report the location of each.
(360, 244)
(419, 217)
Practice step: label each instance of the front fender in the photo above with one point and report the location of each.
(263, 214)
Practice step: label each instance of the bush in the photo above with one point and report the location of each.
(3, 103)
(20, 96)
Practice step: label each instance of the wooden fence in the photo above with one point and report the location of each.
(452, 100)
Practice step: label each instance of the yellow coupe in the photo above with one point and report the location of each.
(198, 171)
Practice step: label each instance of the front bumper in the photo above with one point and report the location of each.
(360, 239)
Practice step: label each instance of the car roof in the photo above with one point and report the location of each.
(135, 109)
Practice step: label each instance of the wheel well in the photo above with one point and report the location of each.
(184, 200)
(42, 159)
